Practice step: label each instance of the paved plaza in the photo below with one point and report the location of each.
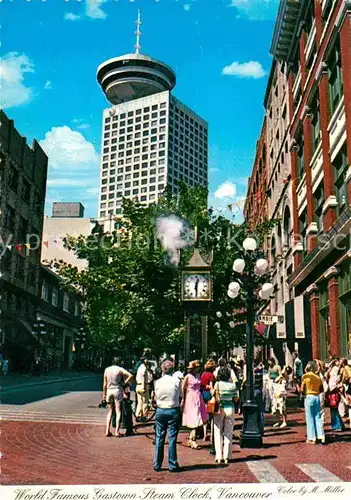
(56, 436)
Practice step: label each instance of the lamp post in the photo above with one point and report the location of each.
(251, 435)
(80, 337)
(38, 330)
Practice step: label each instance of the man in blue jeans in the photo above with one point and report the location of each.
(168, 417)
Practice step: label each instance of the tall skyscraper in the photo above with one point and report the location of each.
(150, 139)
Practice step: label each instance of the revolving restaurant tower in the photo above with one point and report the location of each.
(150, 139)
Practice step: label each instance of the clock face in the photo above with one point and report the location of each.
(196, 287)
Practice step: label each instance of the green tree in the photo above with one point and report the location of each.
(131, 292)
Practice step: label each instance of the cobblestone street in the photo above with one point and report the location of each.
(37, 452)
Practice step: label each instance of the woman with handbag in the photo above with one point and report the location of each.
(224, 393)
(193, 406)
(311, 387)
(334, 386)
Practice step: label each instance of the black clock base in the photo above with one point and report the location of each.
(251, 435)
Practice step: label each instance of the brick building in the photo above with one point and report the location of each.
(256, 209)
(313, 38)
(23, 173)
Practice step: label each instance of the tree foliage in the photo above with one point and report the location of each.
(131, 291)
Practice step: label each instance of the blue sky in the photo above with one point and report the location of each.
(219, 50)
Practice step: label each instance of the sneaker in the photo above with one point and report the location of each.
(277, 424)
(284, 424)
(310, 442)
(322, 440)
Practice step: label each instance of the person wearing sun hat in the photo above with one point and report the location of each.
(193, 406)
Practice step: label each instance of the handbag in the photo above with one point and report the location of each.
(333, 399)
(213, 406)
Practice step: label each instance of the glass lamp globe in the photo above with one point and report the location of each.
(231, 294)
(267, 289)
(218, 314)
(261, 266)
(250, 244)
(234, 287)
(239, 265)
(260, 294)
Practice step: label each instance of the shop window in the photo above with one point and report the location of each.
(316, 123)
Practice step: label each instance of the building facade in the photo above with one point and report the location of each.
(313, 38)
(23, 172)
(59, 323)
(65, 209)
(150, 140)
(256, 203)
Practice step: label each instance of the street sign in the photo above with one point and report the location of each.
(268, 319)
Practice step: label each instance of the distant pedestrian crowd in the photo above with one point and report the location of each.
(205, 397)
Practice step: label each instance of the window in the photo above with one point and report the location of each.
(26, 192)
(66, 302)
(316, 123)
(335, 77)
(340, 169)
(303, 230)
(300, 159)
(309, 18)
(9, 218)
(318, 206)
(13, 180)
(45, 291)
(54, 296)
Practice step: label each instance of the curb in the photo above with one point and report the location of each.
(43, 382)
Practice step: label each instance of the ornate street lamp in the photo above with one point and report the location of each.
(254, 267)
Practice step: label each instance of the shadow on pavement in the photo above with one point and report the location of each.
(39, 392)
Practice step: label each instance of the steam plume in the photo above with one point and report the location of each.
(170, 232)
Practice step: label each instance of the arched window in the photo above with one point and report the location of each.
(286, 227)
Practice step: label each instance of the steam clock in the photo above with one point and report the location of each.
(196, 295)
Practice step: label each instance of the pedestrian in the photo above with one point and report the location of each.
(224, 392)
(279, 395)
(193, 406)
(333, 377)
(127, 413)
(346, 381)
(222, 362)
(322, 395)
(274, 370)
(311, 387)
(142, 390)
(297, 369)
(168, 417)
(115, 376)
(207, 383)
(179, 373)
(5, 366)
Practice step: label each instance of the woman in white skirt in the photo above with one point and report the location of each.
(225, 392)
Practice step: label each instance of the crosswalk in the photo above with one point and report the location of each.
(96, 418)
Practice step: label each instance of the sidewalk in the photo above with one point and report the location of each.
(16, 381)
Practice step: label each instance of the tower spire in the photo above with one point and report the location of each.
(138, 33)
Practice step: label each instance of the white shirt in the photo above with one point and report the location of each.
(167, 392)
(141, 377)
(178, 375)
(115, 376)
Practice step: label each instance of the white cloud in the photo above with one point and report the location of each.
(71, 17)
(251, 69)
(93, 9)
(65, 182)
(68, 150)
(256, 10)
(13, 91)
(48, 85)
(93, 190)
(73, 166)
(83, 126)
(226, 190)
(187, 7)
(212, 170)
